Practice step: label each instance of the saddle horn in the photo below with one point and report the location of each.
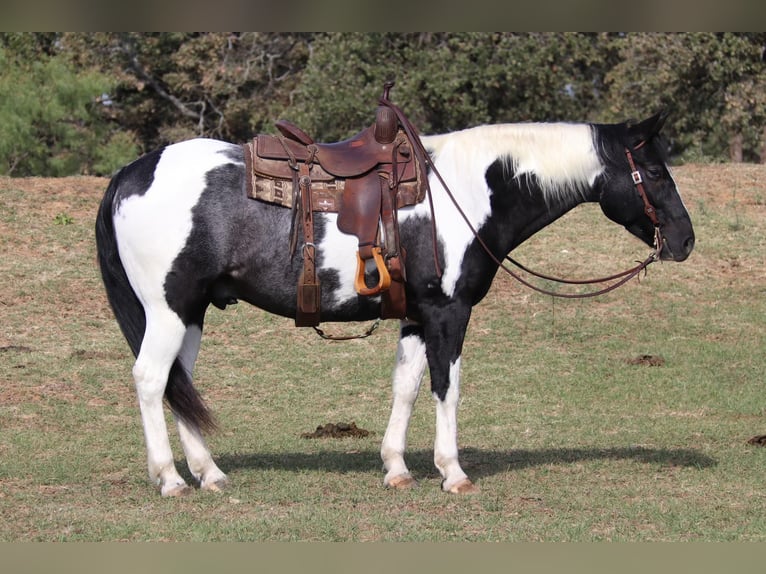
(386, 122)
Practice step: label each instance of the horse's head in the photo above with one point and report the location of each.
(638, 190)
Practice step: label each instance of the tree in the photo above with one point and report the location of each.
(87, 103)
(713, 82)
(451, 81)
(51, 120)
(174, 86)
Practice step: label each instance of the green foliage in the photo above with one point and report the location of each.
(174, 86)
(166, 87)
(451, 81)
(51, 122)
(714, 83)
(63, 219)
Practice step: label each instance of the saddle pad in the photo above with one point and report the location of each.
(326, 195)
(271, 180)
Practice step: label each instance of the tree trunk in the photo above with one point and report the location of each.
(763, 146)
(736, 143)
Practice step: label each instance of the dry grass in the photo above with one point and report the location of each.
(569, 437)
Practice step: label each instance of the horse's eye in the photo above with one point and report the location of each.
(654, 172)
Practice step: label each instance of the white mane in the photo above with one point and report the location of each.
(560, 156)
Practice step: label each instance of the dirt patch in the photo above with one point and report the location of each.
(721, 185)
(15, 349)
(648, 360)
(337, 430)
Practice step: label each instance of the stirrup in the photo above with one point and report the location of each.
(385, 278)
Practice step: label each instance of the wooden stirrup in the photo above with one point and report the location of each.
(385, 278)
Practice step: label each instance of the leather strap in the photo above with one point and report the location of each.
(308, 284)
(307, 216)
(639, 183)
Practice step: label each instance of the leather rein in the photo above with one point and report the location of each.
(622, 277)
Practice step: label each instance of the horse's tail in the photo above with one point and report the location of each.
(182, 397)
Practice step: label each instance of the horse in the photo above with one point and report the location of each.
(176, 232)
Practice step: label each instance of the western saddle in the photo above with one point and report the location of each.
(364, 179)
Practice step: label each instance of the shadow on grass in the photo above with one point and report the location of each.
(476, 462)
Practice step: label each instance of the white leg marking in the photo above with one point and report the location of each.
(408, 373)
(162, 342)
(201, 463)
(445, 444)
(152, 228)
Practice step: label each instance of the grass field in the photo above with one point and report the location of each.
(570, 435)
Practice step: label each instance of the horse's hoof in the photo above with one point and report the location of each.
(465, 486)
(177, 491)
(402, 482)
(216, 486)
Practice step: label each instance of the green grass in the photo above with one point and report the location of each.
(567, 440)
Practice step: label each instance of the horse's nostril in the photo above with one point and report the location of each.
(689, 245)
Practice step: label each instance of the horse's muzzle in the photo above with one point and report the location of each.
(677, 250)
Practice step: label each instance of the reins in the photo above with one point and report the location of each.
(624, 276)
(422, 155)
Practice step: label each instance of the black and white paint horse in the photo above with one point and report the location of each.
(176, 232)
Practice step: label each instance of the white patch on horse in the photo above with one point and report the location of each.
(560, 156)
(166, 209)
(445, 443)
(339, 255)
(408, 374)
(198, 457)
(461, 165)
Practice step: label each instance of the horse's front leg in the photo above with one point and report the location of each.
(444, 336)
(445, 445)
(408, 373)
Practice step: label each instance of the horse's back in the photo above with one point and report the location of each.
(182, 168)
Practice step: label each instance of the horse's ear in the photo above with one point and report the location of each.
(642, 132)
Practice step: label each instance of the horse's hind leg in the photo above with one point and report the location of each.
(162, 342)
(198, 457)
(408, 373)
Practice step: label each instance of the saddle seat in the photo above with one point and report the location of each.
(348, 158)
(364, 179)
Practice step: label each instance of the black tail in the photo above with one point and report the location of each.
(182, 397)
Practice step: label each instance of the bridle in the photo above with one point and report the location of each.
(623, 276)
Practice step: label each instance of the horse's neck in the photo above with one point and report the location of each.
(533, 217)
(535, 173)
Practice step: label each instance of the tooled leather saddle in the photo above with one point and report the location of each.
(364, 179)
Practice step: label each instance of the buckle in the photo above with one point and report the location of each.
(636, 177)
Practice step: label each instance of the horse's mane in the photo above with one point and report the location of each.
(560, 157)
